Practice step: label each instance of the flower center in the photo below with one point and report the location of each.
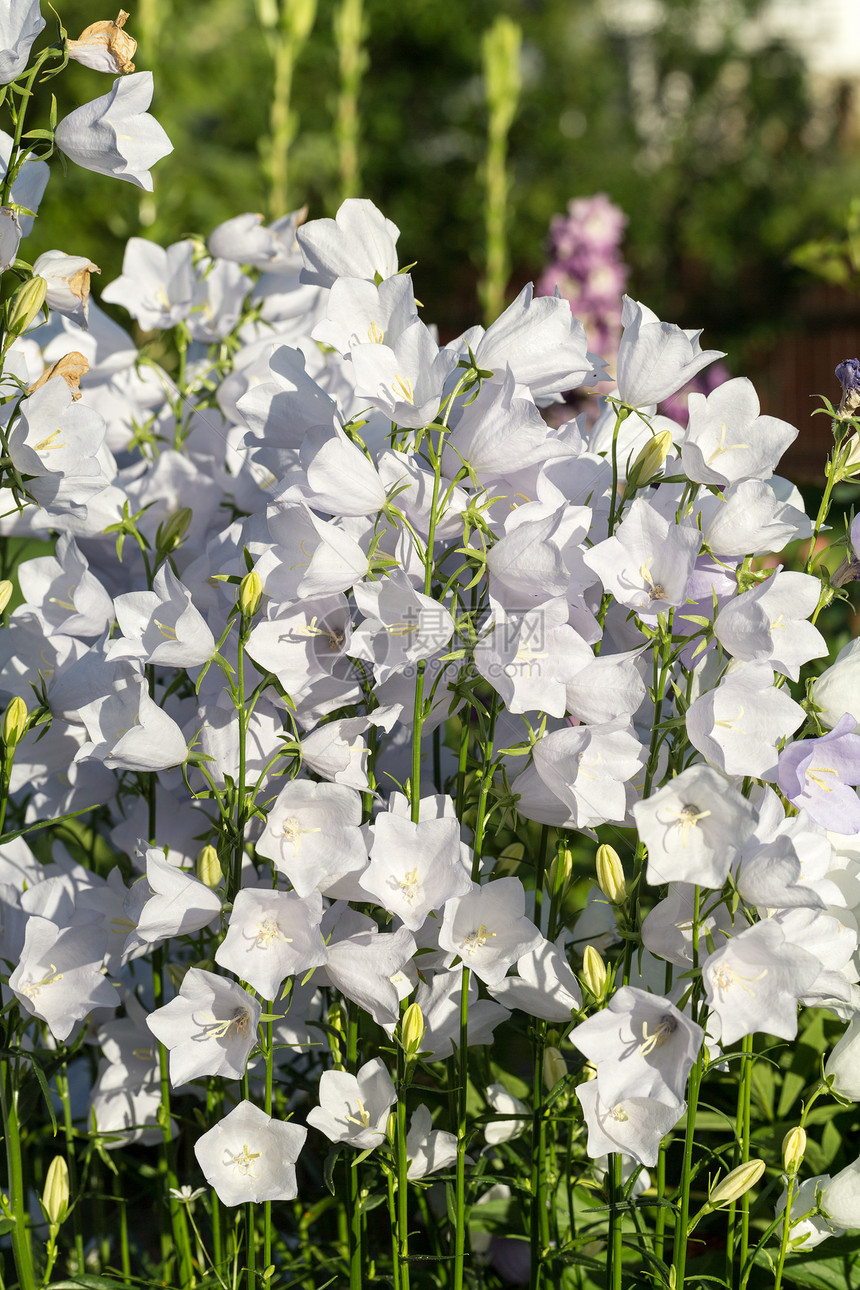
(227, 1027)
(476, 940)
(362, 1118)
(34, 988)
(267, 932)
(243, 1160)
(665, 1029)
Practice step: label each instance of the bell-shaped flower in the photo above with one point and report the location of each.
(156, 285)
(55, 435)
(840, 1197)
(10, 235)
(359, 311)
(647, 563)
(20, 24)
(358, 243)
(528, 658)
(667, 930)
(127, 730)
(67, 278)
(427, 1149)
(310, 558)
(28, 188)
(837, 690)
(641, 1046)
(70, 598)
(439, 1001)
(693, 827)
(545, 986)
(754, 981)
(517, 1115)
(125, 1105)
(634, 1126)
(162, 626)
(244, 239)
(414, 867)
(842, 1068)
(808, 1228)
(404, 378)
(401, 626)
(726, 440)
(335, 477)
(174, 903)
(58, 977)
(655, 359)
(220, 290)
(495, 428)
(749, 519)
(363, 962)
(312, 834)
(354, 1108)
(816, 775)
(771, 876)
(281, 410)
(488, 928)
(541, 342)
(114, 134)
(209, 1028)
(249, 1156)
(767, 623)
(587, 769)
(738, 725)
(272, 935)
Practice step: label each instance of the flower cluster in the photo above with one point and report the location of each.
(329, 604)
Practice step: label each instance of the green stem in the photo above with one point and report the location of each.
(683, 1219)
(21, 1249)
(613, 1263)
(62, 1083)
(356, 1262)
(352, 63)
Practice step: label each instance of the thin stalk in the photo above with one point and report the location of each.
(613, 1263)
(356, 1224)
(352, 61)
(683, 1219)
(501, 61)
(21, 1248)
(62, 1083)
(167, 1167)
(267, 1106)
(539, 1221)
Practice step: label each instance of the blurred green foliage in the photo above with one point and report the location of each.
(717, 155)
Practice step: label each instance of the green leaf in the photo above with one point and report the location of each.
(329, 1164)
(86, 1282)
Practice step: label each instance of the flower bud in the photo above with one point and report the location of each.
(610, 875)
(209, 869)
(648, 461)
(793, 1149)
(736, 1183)
(173, 530)
(6, 590)
(55, 1198)
(412, 1029)
(558, 874)
(25, 304)
(593, 972)
(554, 1068)
(14, 722)
(250, 594)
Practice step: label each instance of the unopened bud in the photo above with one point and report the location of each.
(793, 1149)
(559, 872)
(554, 1067)
(6, 590)
(173, 530)
(55, 1198)
(14, 722)
(736, 1183)
(336, 1020)
(593, 971)
(648, 461)
(209, 869)
(412, 1030)
(25, 304)
(610, 875)
(250, 594)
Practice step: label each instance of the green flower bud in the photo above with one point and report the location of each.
(500, 50)
(55, 1198)
(209, 869)
(736, 1183)
(610, 875)
(554, 1067)
(170, 534)
(412, 1029)
(648, 462)
(14, 722)
(793, 1150)
(25, 304)
(559, 872)
(250, 594)
(593, 972)
(6, 590)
